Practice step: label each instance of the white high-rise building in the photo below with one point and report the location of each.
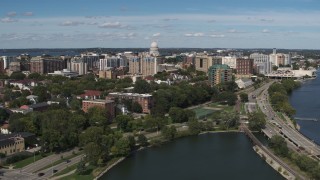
(7, 60)
(230, 61)
(113, 62)
(261, 62)
(146, 63)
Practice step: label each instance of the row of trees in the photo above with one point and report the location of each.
(305, 163)
(279, 96)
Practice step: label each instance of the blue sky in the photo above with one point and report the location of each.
(136, 23)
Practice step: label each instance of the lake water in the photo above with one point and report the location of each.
(209, 156)
(306, 101)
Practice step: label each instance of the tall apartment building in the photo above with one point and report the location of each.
(78, 65)
(107, 104)
(7, 60)
(244, 66)
(44, 65)
(113, 62)
(145, 100)
(203, 62)
(92, 60)
(261, 62)
(219, 73)
(2, 69)
(146, 63)
(278, 59)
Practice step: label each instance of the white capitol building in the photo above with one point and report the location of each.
(154, 49)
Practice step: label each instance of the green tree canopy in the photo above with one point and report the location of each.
(257, 121)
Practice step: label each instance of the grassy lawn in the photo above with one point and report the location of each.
(59, 161)
(202, 113)
(281, 116)
(87, 176)
(28, 161)
(92, 172)
(68, 169)
(242, 109)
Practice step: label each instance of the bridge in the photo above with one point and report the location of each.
(306, 119)
(243, 128)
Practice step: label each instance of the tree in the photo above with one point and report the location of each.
(132, 142)
(179, 115)
(75, 104)
(136, 107)
(244, 97)
(279, 145)
(122, 122)
(194, 127)
(169, 132)
(4, 115)
(17, 76)
(257, 121)
(121, 147)
(41, 92)
(274, 68)
(229, 119)
(81, 168)
(142, 140)
(93, 152)
(36, 76)
(142, 87)
(98, 116)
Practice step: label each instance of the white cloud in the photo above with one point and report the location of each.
(12, 14)
(156, 35)
(232, 31)
(235, 31)
(112, 25)
(92, 23)
(217, 36)
(8, 20)
(265, 31)
(70, 23)
(28, 14)
(199, 34)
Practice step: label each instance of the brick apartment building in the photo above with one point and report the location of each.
(145, 100)
(244, 66)
(107, 104)
(44, 65)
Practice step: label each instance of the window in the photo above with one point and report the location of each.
(201, 63)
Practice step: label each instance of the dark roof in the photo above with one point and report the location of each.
(38, 105)
(6, 142)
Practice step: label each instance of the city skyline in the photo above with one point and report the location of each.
(189, 24)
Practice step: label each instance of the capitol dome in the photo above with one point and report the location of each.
(154, 49)
(154, 44)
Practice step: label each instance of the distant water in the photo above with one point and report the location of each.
(224, 156)
(306, 101)
(39, 52)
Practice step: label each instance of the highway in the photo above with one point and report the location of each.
(29, 172)
(276, 125)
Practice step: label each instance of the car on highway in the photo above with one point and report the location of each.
(41, 174)
(68, 160)
(55, 170)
